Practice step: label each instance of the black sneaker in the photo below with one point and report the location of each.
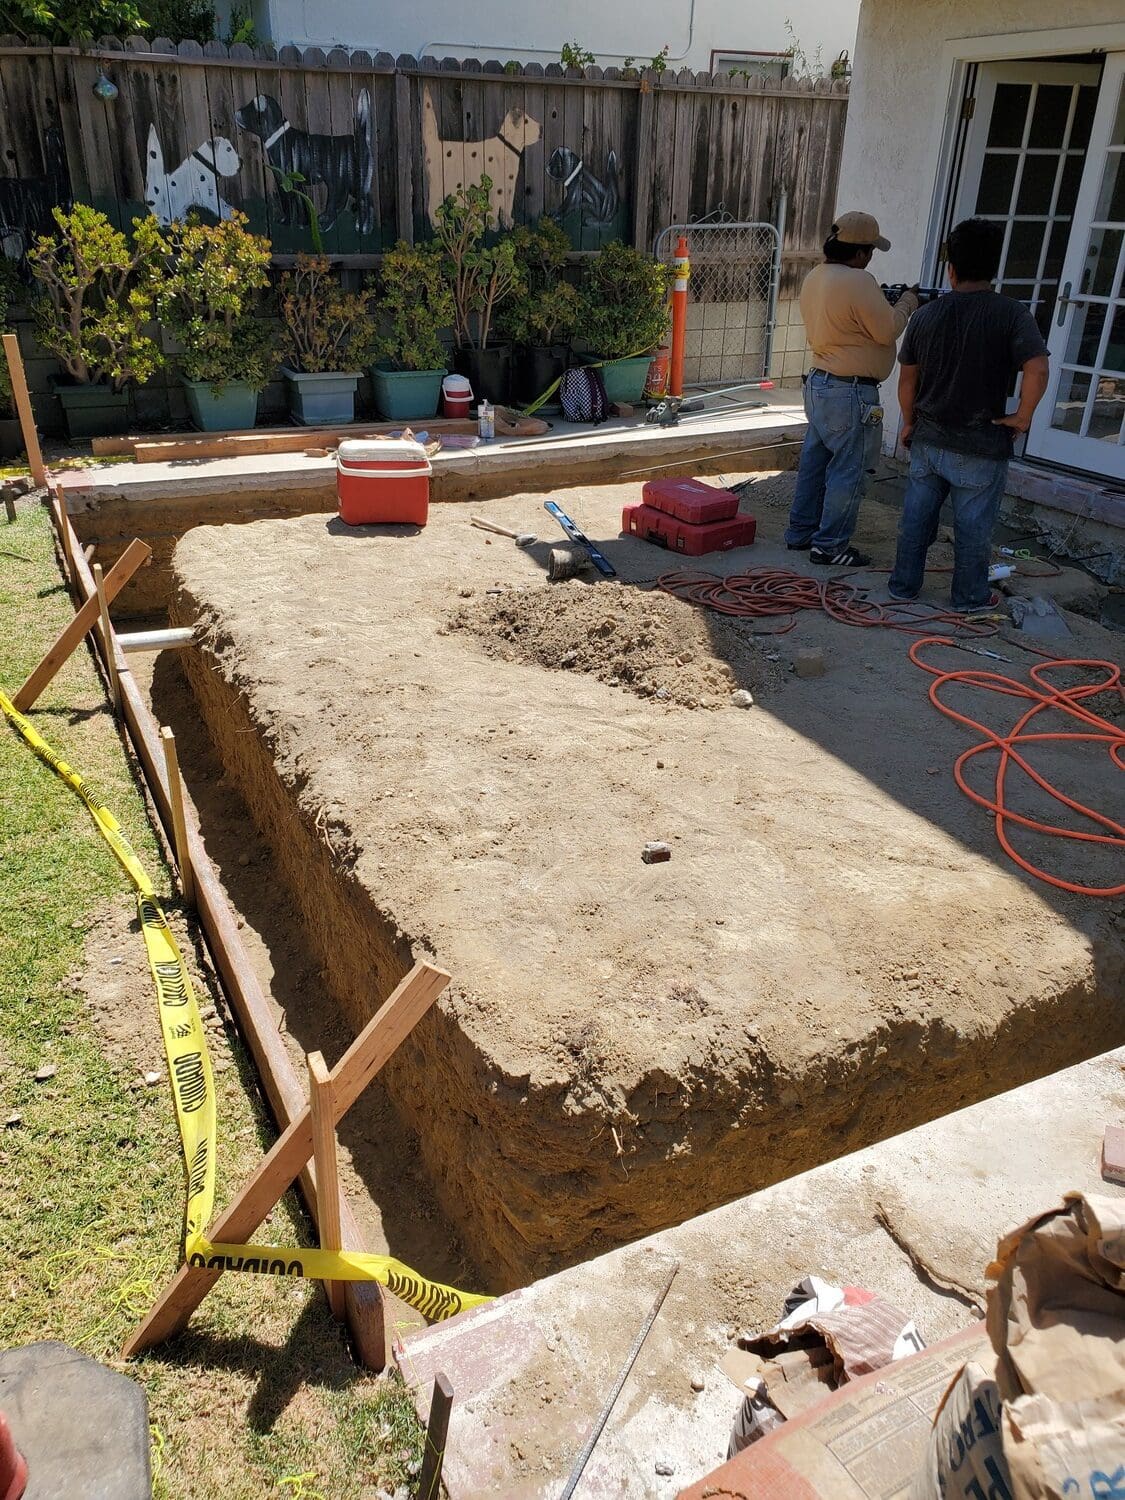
(846, 557)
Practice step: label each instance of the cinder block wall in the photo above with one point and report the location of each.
(790, 356)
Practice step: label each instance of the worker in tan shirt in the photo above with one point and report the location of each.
(852, 330)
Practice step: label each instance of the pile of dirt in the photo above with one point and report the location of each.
(643, 641)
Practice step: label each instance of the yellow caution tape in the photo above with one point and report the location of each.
(193, 1092)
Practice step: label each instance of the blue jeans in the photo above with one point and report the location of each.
(973, 486)
(840, 448)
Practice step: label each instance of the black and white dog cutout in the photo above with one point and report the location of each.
(343, 164)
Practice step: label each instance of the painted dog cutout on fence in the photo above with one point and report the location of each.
(499, 156)
(193, 184)
(343, 164)
(26, 203)
(596, 202)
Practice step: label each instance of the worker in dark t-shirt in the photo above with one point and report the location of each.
(956, 367)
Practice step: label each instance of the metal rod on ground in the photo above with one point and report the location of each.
(327, 1172)
(630, 1359)
(23, 410)
(437, 1429)
(107, 640)
(179, 821)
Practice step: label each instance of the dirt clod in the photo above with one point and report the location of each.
(645, 642)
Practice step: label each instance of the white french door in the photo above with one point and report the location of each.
(1024, 154)
(1081, 420)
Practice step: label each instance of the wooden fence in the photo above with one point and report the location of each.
(379, 142)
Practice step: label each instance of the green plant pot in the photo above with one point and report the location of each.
(625, 378)
(233, 408)
(92, 410)
(406, 395)
(325, 400)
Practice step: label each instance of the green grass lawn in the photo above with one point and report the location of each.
(261, 1396)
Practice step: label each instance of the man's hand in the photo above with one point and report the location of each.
(906, 432)
(1018, 421)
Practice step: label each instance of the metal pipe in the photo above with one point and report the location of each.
(775, 279)
(156, 640)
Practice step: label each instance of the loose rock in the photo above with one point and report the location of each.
(48, 1070)
(741, 698)
(664, 1467)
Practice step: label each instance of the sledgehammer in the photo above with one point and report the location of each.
(521, 538)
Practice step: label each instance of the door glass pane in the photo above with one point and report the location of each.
(1048, 118)
(1037, 186)
(1114, 358)
(1009, 113)
(1117, 134)
(997, 179)
(1070, 403)
(1111, 195)
(1109, 406)
(1068, 189)
(1101, 261)
(1043, 314)
(1056, 248)
(1024, 248)
(1083, 117)
(1085, 336)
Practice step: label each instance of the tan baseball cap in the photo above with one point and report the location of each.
(859, 229)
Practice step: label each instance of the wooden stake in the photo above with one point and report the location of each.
(107, 640)
(23, 409)
(176, 802)
(9, 507)
(437, 1430)
(390, 1026)
(84, 619)
(66, 536)
(89, 550)
(327, 1172)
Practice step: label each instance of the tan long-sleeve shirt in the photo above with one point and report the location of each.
(851, 327)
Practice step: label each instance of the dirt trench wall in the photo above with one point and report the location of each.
(541, 1176)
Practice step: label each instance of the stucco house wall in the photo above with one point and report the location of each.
(900, 101)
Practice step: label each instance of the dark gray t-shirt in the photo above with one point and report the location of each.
(968, 347)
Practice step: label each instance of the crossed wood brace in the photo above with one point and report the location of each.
(311, 1134)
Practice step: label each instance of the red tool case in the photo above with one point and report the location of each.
(690, 500)
(689, 540)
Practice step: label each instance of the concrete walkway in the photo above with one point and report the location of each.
(915, 1218)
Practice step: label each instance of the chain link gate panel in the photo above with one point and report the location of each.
(732, 299)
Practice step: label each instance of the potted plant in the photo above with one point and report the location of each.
(416, 303)
(210, 302)
(544, 314)
(483, 277)
(98, 298)
(11, 439)
(327, 333)
(625, 316)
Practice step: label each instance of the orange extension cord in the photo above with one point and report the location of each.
(775, 592)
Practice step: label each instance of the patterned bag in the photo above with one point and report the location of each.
(582, 395)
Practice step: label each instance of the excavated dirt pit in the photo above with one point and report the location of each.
(837, 949)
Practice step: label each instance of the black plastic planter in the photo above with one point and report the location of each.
(537, 367)
(489, 371)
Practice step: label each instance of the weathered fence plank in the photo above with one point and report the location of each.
(380, 142)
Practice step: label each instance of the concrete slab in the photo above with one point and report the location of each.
(915, 1218)
(83, 1429)
(160, 502)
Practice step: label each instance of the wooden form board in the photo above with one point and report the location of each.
(364, 1303)
(152, 448)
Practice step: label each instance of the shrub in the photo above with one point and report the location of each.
(326, 328)
(99, 295)
(483, 276)
(64, 21)
(416, 302)
(625, 302)
(547, 309)
(211, 301)
(179, 20)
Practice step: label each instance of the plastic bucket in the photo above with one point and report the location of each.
(456, 396)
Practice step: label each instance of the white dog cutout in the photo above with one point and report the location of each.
(194, 183)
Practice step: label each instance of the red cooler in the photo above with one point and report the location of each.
(456, 396)
(382, 481)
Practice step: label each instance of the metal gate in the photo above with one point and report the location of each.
(732, 298)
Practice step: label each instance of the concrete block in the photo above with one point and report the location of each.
(710, 369)
(714, 314)
(82, 1428)
(810, 662)
(712, 345)
(1113, 1154)
(693, 343)
(694, 315)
